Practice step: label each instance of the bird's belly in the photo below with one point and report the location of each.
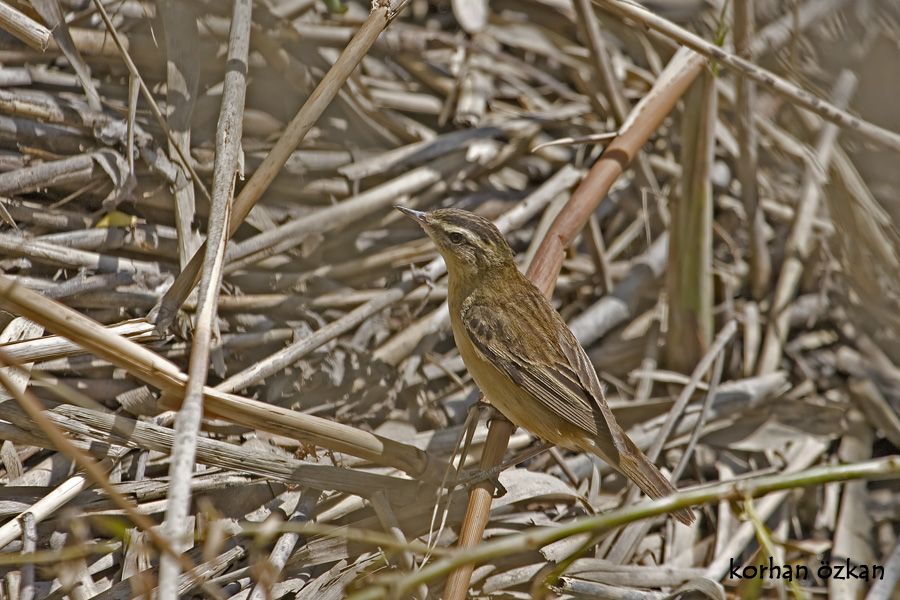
(514, 403)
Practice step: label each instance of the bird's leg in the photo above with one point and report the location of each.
(482, 406)
(492, 413)
(471, 424)
(474, 414)
(493, 473)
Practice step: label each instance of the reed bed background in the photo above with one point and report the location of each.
(227, 366)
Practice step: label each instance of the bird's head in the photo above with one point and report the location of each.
(471, 245)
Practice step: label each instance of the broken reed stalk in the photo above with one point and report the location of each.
(187, 424)
(627, 542)
(182, 52)
(601, 63)
(689, 277)
(148, 96)
(115, 434)
(51, 13)
(23, 27)
(745, 103)
(644, 119)
(382, 13)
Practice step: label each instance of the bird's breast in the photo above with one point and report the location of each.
(503, 394)
(496, 386)
(486, 376)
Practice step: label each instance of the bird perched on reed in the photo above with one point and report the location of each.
(520, 352)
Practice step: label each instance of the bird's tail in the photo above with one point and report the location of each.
(637, 467)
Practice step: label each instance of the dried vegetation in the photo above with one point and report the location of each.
(273, 416)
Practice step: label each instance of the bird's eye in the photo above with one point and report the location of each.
(456, 237)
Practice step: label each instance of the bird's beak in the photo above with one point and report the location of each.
(416, 215)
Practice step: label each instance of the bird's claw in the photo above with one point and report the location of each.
(490, 476)
(499, 489)
(483, 405)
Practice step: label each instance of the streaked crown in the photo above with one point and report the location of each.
(467, 241)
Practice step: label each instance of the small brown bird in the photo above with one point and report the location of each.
(522, 355)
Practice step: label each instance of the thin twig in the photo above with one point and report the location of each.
(228, 146)
(538, 537)
(163, 374)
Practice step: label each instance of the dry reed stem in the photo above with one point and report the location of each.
(643, 121)
(779, 32)
(689, 272)
(184, 160)
(527, 83)
(629, 538)
(92, 469)
(745, 90)
(179, 22)
(601, 62)
(23, 27)
(51, 12)
(187, 424)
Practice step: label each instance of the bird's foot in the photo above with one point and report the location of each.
(491, 477)
(479, 407)
(499, 489)
(482, 406)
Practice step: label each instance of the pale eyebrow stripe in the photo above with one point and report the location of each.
(476, 230)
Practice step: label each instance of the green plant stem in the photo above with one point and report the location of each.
(883, 468)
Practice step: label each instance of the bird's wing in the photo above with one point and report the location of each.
(528, 341)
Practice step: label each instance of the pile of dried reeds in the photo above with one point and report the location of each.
(227, 365)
